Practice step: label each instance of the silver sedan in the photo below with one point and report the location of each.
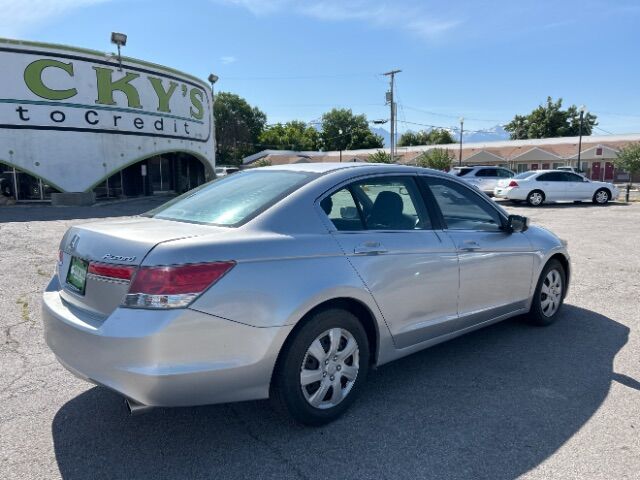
(291, 283)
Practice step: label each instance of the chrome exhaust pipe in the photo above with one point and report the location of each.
(135, 408)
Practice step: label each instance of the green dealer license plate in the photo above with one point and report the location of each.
(77, 275)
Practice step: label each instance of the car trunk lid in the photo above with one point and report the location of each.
(119, 245)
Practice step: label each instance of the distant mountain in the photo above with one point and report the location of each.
(492, 134)
(386, 135)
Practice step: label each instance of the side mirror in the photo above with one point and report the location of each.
(517, 223)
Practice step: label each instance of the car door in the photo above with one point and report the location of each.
(487, 179)
(552, 184)
(496, 267)
(577, 187)
(409, 266)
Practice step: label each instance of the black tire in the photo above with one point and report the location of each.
(602, 196)
(534, 195)
(537, 315)
(286, 387)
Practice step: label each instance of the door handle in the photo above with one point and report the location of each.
(369, 248)
(469, 246)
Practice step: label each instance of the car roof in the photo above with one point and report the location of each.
(326, 167)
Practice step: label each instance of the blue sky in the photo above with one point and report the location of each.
(484, 60)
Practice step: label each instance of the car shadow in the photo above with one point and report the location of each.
(44, 213)
(492, 404)
(560, 205)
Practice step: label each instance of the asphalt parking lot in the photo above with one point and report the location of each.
(505, 402)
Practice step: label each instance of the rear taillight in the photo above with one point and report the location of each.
(117, 272)
(173, 286)
(513, 183)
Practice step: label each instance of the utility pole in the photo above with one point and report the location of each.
(461, 131)
(392, 104)
(582, 109)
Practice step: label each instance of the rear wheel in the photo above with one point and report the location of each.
(549, 294)
(535, 198)
(601, 196)
(322, 368)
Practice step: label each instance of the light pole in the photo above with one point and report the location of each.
(340, 143)
(213, 78)
(120, 40)
(461, 130)
(582, 110)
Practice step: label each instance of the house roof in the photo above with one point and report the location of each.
(549, 149)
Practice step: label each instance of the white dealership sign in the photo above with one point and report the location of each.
(73, 117)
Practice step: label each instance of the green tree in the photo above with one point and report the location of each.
(263, 162)
(355, 131)
(628, 159)
(238, 128)
(436, 158)
(435, 136)
(294, 135)
(550, 120)
(380, 157)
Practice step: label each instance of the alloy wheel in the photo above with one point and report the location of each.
(551, 293)
(602, 196)
(329, 368)
(535, 198)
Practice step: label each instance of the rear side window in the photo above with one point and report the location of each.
(380, 203)
(463, 209)
(461, 172)
(342, 210)
(487, 172)
(233, 199)
(502, 173)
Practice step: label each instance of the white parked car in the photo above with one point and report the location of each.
(567, 168)
(483, 177)
(224, 171)
(539, 186)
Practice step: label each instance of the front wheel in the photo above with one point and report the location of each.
(549, 294)
(601, 196)
(322, 368)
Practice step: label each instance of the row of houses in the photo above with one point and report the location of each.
(597, 155)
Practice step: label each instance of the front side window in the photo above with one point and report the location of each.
(232, 199)
(462, 208)
(572, 177)
(380, 203)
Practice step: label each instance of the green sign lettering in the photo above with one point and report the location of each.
(163, 96)
(33, 79)
(106, 87)
(196, 100)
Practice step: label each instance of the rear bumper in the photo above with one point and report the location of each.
(164, 358)
(510, 193)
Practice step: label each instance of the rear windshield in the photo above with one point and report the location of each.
(525, 174)
(461, 172)
(232, 200)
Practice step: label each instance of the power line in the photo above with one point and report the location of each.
(303, 77)
(450, 116)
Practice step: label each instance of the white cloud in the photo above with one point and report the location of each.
(400, 14)
(18, 16)
(227, 59)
